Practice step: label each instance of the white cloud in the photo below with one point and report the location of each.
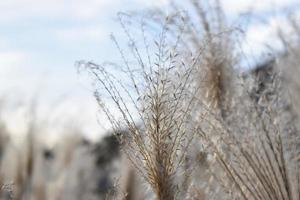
(240, 6)
(12, 10)
(267, 33)
(10, 60)
(262, 38)
(18, 9)
(90, 33)
(19, 73)
(148, 3)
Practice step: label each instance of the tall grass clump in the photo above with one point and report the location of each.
(154, 106)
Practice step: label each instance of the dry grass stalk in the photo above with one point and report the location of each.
(161, 96)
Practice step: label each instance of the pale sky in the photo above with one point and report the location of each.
(40, 40)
